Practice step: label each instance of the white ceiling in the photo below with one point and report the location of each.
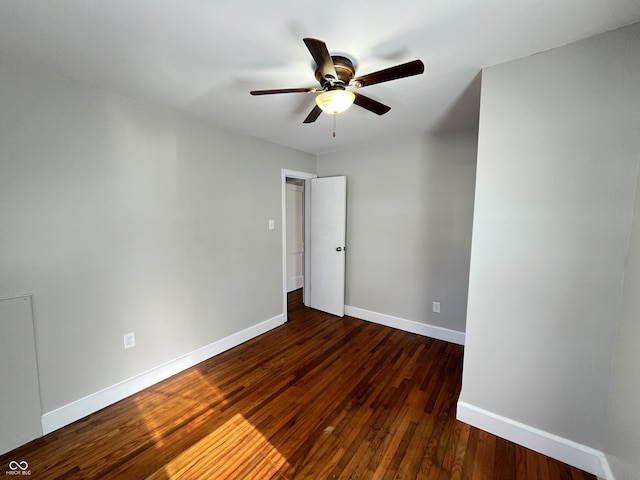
(204, 56)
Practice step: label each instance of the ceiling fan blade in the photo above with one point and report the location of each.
(320, 54)
(408, 69)
(283, 90)
(371, 104)
(313, 115)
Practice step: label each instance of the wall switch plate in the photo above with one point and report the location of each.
(272, 224)
(129, 340)
(436, 307)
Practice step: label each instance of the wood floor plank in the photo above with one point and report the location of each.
(319, 397)
(454, 456)
(504, 467)
(470, 454)
(457, 469)
(521, 463)
(483, 466)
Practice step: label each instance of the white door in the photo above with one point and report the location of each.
(295, 236)
(328, 236)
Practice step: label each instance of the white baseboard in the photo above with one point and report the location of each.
(412, 326)
(294, 283)
(567, 451)
(78, 409)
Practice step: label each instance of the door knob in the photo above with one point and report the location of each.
(339, 249)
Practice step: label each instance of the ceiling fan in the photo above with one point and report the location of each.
(336, 73)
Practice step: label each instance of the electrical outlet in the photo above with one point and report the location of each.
(129, 340)
(436, 307)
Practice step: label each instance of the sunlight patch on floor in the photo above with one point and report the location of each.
(212, 457)
(159, 407)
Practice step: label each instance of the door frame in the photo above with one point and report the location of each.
(306, 176)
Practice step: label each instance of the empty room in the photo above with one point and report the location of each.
(383, 240)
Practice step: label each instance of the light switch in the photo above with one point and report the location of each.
(272, 224)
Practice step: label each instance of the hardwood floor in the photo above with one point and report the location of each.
(320, 397)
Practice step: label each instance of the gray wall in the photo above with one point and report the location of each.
(409, 216)
(623, 427)
(119, 216)
(558, 154)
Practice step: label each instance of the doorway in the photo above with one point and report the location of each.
(325, 202)
(295, 234)
(295, 257)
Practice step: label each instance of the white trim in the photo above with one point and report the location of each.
(567, 451)
(608, 473)
(412, 326)
(295, 283)
(283, 179)
(78, 409)
(306, 273)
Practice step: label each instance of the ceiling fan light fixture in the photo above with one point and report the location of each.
(335, 101)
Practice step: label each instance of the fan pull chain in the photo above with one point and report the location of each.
(334, 126)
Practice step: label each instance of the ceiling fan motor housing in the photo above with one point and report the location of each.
(344, 69)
